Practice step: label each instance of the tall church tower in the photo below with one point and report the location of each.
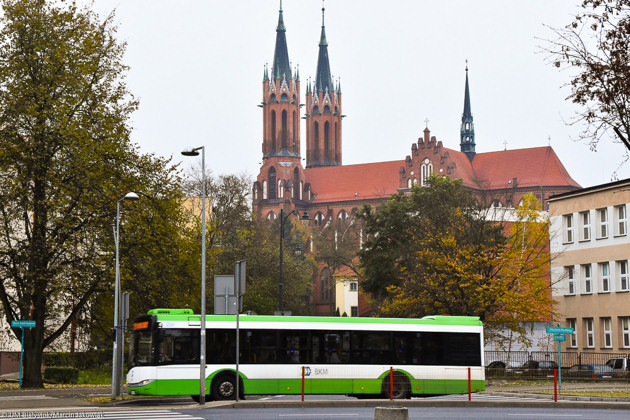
(323, 113)
(281, 179)
(281, 108)
(467, 130)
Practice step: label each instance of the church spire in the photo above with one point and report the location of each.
(281, 67)
(323, 113)
(467, 130)
(323, 79)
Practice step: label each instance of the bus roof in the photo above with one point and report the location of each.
(188, 315)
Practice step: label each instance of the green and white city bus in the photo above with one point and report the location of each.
(355, 356)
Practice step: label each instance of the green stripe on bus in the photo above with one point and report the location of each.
(311, 386)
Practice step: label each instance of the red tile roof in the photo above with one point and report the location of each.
(369, 180)
(538, 166)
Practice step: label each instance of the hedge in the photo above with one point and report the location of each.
(61, 374)
(80, 360)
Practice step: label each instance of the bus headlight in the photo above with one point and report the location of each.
(141, 383)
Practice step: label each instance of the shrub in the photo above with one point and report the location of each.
(61, 374)
(80, 360)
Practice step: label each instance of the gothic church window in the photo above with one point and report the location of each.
(264, 190)
(337, 146)
(319, 218)
(281, 189)
(284, 132)
(426, 169)
(327, 140)
(295, 135)
(272, 182)
(273, 131)
(296, 184)
(343, 216)
(316, 140)
(325, 284)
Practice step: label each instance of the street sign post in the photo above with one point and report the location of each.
(22, 323)
(559, 336)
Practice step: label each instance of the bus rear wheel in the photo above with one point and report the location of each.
(400, 390)
(224, 387)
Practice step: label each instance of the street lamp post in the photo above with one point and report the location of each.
(116, 358)
(202, 338)
(283, 219)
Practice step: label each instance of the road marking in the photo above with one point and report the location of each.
(149, 414)
(27, 397)
(548, 415)
(320, 415)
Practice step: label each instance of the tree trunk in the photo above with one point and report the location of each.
(32, 372)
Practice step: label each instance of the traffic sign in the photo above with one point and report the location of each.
(23, 323)
(559, 330)
(559, 337)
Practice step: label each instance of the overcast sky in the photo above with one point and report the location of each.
(197, 68)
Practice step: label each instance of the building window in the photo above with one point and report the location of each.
(572, 337)
(620, 220)
(354, 311)
(623, 275)
(272, 183)
(568, 228)
(354, 286)
(343, 216)
(281, 189)
(571, 278)
(585, 219)
(426, 169)
(605, 273)
(319, 218)
(590, 333)
(325, 283)
(264, 190)
(625, 331)
(602, 215)
(587, 277)
(607, 333)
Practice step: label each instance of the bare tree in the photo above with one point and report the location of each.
(596, 46)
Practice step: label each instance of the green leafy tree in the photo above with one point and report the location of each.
(65, 158)
(595, 49)
(450, 258)
(388, 248)
(234, 233)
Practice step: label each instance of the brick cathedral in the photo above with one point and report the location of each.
(330, 191)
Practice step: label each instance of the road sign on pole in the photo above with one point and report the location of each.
(22, 323)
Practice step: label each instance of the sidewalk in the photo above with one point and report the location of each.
(77, 398)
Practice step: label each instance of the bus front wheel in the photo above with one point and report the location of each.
(224, 387)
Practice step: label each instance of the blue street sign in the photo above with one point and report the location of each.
(559, 337)
(559, 330)
(23, 323)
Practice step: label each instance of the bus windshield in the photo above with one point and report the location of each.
(141, 348)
